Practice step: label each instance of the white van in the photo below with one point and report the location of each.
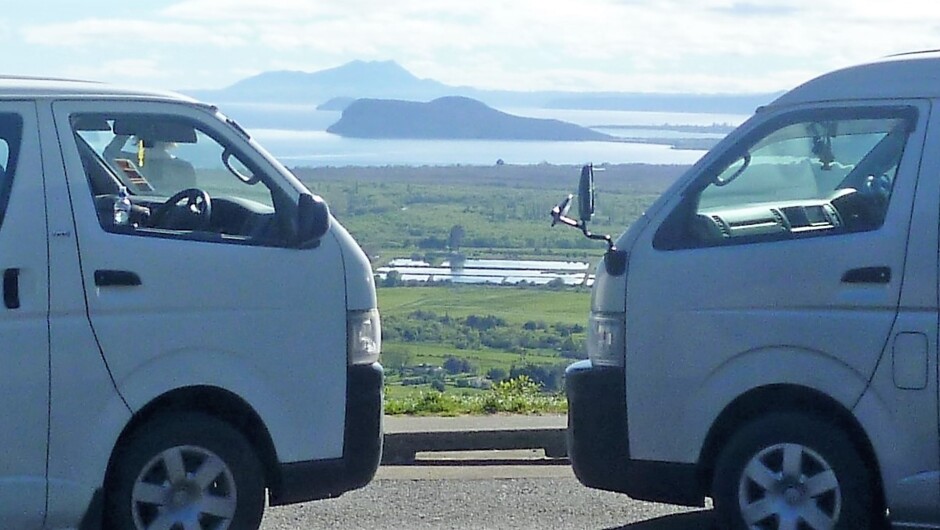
(185, 329)
(766, 333)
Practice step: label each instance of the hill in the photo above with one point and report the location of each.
(356, 79)
(451, 117)
(389, 80)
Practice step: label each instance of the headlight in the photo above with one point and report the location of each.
(605, 341)
(364, 336)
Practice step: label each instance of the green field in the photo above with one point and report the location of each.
(515, 305)
(535, 332)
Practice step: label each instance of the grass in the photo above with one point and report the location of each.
(434, 355)
(516, 305)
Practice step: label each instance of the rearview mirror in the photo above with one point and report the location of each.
(586, 194)
(155, 131)
(313, 220)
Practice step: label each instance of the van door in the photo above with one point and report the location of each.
(24, 336)
(781, 263)
(205, 288)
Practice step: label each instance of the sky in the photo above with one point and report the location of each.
(702, 46)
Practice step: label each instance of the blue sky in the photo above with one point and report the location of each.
(624, 45)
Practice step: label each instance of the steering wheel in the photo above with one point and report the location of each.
(194, 215)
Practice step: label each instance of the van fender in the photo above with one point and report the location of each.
(739, 374)
(189, 368)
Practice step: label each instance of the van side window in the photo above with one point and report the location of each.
(181, 181)
(805, 177)
(11, 132)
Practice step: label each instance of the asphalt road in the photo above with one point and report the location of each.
(481, 490)
(504, 490)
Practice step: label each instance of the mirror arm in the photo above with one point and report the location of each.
(597, 237)
(565, 220)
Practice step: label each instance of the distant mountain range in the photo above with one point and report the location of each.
(451, 117)
(388, 80)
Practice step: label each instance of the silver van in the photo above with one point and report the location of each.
(186, 333)
(766, 333)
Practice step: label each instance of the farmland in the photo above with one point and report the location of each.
(461, 339)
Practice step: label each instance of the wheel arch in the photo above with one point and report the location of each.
(218, 403)
(785, 398)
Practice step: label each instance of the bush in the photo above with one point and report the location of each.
(520, 395)
(496, 374)
(458, 365)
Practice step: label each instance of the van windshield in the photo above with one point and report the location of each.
(812, 160)
(152, 155)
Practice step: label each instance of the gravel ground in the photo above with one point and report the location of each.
(523, 503)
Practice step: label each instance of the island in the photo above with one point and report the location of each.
(451, 117)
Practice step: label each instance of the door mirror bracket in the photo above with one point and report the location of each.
(615, 260)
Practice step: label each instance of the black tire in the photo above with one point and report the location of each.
(799, 468)
(185, 466)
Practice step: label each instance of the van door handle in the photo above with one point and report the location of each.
(867, 275)
(111, 278)
(11, 288)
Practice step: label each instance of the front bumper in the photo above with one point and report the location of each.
(599, 446)
(362, 446)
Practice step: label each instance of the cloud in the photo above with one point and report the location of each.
(146, 69)
(523, 44)
(750, 9)
(126, 33)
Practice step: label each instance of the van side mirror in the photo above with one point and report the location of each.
(585, 208)
(313, 220)
(586, 194)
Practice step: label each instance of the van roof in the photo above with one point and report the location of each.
(907, 76)
(16, 87)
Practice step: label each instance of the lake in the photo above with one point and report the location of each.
(297, 136)
(491, 271)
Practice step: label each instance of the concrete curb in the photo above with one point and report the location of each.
(413, 435)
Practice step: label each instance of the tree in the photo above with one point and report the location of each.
(496, 374)
(392, 279)
(396, 359)
(455, 238)
(455, 365)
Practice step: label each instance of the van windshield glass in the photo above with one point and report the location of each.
(812, 160)
(158, 156)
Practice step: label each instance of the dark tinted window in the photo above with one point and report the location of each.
(11, 133)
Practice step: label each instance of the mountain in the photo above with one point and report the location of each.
(389, 80)
(356, 79)
(452, 117)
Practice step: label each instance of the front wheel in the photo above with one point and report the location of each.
(789, 471)
(185, 470)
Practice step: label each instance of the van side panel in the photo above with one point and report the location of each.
(900, 410)
(24, 345)
(87, 415)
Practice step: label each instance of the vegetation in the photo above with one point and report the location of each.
(494, 211)
(520, 395)
(476, 339)
(458, 349)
